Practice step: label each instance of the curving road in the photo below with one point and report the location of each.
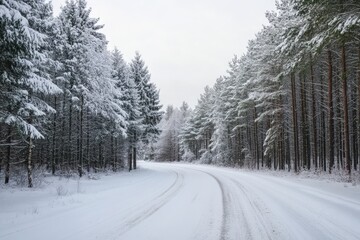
(183, 201)
(216, 203)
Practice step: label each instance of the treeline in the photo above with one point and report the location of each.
(292, 101)
(66, 102)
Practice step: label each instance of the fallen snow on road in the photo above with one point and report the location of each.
(182, 201)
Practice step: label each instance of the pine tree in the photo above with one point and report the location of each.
(149, 105)
(130, 100)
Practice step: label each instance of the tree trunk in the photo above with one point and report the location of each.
(112, 150)
(8, 155)
(282, 149)
(354, 136)
(134, 158)
(288, 152)
(116, 152)
(69, 153)
(239, 157)
(358, 115)
(134, 151)
(256, 140)
(63, 132)
(262, 137)
(282, 143)
(305, 126)
(331, 113)
(323, 141)
(29, 164)
(130, 158)
(268, 158)
(80, 166)
(295, 128)
(339, 129)
(53, 162)
(88, 160)
(1, 152)
(346, 112)
(314, 118)
(100, 155)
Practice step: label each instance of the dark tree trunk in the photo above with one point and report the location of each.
(323, 144)
(358, 115)
(63, 132)
(100, 154)
(29, 163)
(268, 157)
(339, 129)
(8, 155)
(314, 118)
(53, 161)
(116, 152)
(346, 111)
(69, 150)
(288, 152)
(305, 125)
(2, 156)
(295, 128)
(256, 140)
(134, 151)
(331, 113)
(130, 158)
(112, 150)
(88, 158)
(354, 135)
(80, 166)
(134, 157)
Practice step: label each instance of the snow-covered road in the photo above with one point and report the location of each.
(182, 201)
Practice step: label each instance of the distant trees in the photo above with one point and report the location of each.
(167, 148)
(65, 101)
(293, 100)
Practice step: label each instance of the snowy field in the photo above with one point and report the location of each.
(182, 201)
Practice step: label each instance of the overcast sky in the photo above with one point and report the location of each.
(186, 44)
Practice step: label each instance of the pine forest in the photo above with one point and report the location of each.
(67, 104)
(179, 119)
(292, 102)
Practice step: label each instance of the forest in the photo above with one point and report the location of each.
(291, 102)
(270, 150)
(67, 104)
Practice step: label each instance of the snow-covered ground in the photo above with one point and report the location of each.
(182, 201)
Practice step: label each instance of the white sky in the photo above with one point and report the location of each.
(186, 44)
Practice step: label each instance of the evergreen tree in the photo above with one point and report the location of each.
(149, 105)
(130, 100)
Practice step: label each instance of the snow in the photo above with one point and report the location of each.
(182, 201)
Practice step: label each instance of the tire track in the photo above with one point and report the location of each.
(256, 210)
(228, 206)
(225, 210)
(302, 215)
(126, 224)
(158, 202)
(224, 200)
(89, 204)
